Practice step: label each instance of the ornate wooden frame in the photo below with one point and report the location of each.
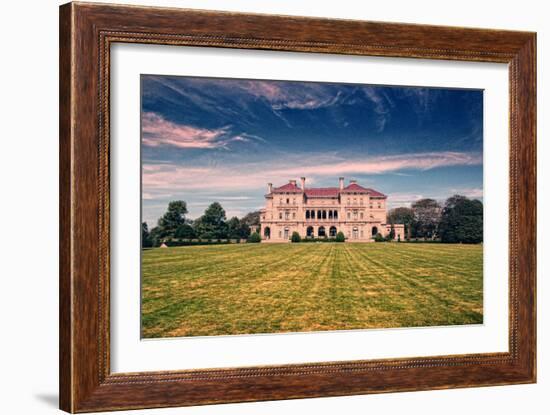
(86, 33)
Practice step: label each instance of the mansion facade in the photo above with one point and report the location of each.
(358, 212)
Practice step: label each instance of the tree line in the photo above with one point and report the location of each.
(212, 225)
(458, 220)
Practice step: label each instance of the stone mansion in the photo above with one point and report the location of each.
(358, 212)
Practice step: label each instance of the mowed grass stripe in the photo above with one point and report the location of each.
(428, 294)
(198, 293)
(263, 288)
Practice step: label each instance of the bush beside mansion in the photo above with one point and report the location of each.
(358, 212)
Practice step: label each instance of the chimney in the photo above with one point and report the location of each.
(292, 182)
(303, 180)
(269, 188)
(353, 182)
(341, 183)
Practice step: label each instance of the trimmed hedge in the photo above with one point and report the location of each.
(295, 237)
(318, 239)
(254, 238)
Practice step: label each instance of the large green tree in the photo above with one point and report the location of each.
(156, 237)
(252, 220)
(211, 225)
(427, 213)
(237, 229)
(233, 228)
(461, 221)
(185, 231)
(172, 219)
(146, 241)
(402, 215)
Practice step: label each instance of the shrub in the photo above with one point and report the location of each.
(340, 237)
(379, 238)
(295, 237)
(254, 238)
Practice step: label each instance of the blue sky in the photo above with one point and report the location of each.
(208, 139)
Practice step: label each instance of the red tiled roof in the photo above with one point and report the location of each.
(355, 188)
(374, 193)
(322, 192)
(287, 188)
(327, 191)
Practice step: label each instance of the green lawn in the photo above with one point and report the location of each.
(265, 288)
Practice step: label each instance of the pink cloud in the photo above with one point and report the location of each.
(165, 177)
(387, 164)
(157, 131)
(473, 193)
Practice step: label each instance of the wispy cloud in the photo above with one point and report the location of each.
(394, 163)
(382, 105)
(157, 131)
(471, 192)
(167, 177)
(403, 199)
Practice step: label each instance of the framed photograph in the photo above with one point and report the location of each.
(260, 207)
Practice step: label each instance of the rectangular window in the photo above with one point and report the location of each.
(280, 215)
(349, 215)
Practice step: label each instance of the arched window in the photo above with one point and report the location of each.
(332, 231)
(267, 232)
(309, 232)
(335, 214)
(307, 214)
(324, 214)
(330, 214)
(286, 233)
(355, 233)
(318, 214)
(321, 232)
(374, 231)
